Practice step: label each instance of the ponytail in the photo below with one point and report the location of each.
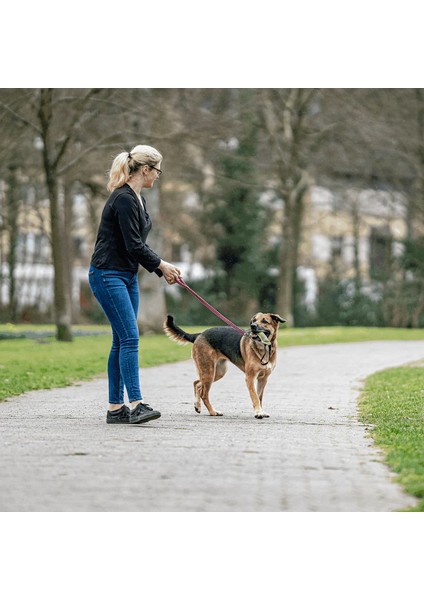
(119, 171)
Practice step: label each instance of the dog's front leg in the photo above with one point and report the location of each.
(250, 382)
(262, 381)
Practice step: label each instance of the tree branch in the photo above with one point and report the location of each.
(19, 118)
(99, 144)
(71, 130)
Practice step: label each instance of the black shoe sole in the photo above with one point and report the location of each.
(145, 418)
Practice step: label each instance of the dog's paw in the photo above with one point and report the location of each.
(217, 414)
(197, 408)
(261, 415)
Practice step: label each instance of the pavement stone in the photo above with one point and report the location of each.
(58, 453)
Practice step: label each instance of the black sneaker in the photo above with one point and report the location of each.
(118, 416)
(143, 413)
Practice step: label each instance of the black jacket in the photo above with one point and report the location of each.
(123, 230)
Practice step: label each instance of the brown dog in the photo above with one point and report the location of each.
(254, 353)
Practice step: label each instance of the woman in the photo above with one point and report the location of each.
(120, 248)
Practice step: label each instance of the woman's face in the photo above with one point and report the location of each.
(151, 175)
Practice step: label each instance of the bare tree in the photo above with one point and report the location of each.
(14, 166)
(57, 118)
(285, 121)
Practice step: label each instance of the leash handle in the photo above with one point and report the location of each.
(213, 310)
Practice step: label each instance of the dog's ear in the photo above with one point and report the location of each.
(278, 318)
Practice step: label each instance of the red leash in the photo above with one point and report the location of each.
(211, 308)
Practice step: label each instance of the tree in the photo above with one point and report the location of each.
(42, 112)
(16, 165)
(235, 221)
(285, 118)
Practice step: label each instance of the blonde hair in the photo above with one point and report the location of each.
(127, 163)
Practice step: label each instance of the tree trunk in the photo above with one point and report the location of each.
(152, 308)
(12, 221)
(356, 241)
(289, 256)
(287, 266)
(284, 115)
(61, 282)
(62, 308)
(68, 206)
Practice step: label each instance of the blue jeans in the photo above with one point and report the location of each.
(118, 295)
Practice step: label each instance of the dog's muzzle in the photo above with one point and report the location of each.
(260, 333)
(255, 328)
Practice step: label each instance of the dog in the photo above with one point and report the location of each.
(254, 353)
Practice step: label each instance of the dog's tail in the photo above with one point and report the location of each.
(176, 333)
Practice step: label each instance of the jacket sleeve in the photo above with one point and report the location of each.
(128, 221)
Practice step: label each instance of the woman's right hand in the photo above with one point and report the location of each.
(170, 272)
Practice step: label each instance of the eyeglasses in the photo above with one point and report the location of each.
(155, 168)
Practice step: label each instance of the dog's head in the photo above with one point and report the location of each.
(267, 323)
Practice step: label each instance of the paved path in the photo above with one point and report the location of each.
(58, 453)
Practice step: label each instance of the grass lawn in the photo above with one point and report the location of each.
(27, 364)
(393, 402)
(30, 364)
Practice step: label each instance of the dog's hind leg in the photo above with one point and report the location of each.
(197, 355)
(204, 393)
(197, 398)
(201, 392)
(220, 370)
(206, 361)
